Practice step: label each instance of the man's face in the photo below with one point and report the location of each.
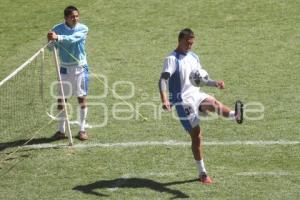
(186, 43)
(72, 19)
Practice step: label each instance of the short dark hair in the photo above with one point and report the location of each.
(186, 32)
(68, 10)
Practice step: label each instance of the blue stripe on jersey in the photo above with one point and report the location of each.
(175, 91)
(175, 83)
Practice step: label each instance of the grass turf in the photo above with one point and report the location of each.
(252, 45)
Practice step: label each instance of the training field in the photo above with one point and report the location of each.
(136, 151)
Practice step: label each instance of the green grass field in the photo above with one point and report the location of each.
(252, 45)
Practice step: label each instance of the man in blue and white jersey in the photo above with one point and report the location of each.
(69, 38)
(188, 99)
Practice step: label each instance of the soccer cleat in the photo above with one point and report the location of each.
(82, 135)
(59, 135)
(205, 179)
(239, 112)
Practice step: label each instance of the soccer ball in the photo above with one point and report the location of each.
(198, 77)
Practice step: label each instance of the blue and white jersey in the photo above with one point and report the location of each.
(179, 66)
(71, 41)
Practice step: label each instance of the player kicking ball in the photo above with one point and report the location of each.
(188, 99)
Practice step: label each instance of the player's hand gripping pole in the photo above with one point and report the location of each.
(68, 129)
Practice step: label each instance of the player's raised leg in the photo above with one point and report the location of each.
(210, 104)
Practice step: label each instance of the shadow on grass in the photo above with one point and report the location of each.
(5, 145)
(132, 183)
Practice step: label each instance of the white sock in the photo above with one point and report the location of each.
(200, 165)
(232, 114)
(61, 123)
(83, 114)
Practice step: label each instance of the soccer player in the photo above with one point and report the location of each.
(188, 99)
(69, 38)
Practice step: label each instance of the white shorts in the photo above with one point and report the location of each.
(75, 81)
(188, 110)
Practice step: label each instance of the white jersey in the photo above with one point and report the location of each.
(179, 66)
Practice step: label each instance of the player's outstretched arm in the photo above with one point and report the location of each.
(213, 83)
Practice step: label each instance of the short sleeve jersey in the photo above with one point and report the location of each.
(179, 66)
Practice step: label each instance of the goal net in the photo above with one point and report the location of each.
(26, 96)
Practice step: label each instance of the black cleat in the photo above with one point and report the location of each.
(59, 135)
(239, 112)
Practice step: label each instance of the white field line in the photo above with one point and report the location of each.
(279, 173)
(162, 143)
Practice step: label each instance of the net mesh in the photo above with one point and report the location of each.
(25, 98)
